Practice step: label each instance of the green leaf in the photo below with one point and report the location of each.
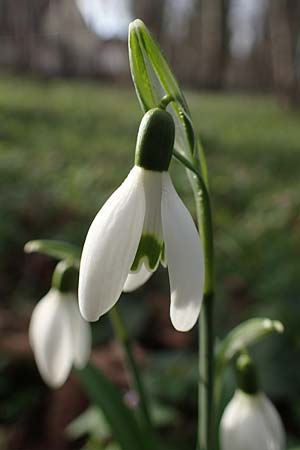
(245, 334)
(153, 79)
(120, 418)
(57, 249)
(139, 71)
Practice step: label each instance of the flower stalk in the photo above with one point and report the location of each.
(123, 337)
(206, 330)
(65, 276)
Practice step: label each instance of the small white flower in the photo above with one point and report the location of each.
(59, 337)
(142, 223)
(251, 422)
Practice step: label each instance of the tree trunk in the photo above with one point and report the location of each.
(284, 34)
(214, 39)
(20, 23)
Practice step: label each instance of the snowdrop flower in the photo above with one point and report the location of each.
(250, 421)
(144, 222)
(59, 336)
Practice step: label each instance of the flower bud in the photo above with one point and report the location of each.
(251, 422)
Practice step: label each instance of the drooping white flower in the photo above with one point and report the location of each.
(251, 422)
(59, 337)
(143, 223)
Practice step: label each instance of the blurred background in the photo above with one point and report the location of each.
(68, 124)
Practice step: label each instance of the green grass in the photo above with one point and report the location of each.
(66, 145)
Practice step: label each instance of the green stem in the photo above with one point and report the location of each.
(123, 337)
(165, 101)
(206, 334)
(206, 374)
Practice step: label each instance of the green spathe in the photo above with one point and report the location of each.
(155, 141)
(150, 248)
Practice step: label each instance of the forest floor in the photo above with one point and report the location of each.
(66, 145)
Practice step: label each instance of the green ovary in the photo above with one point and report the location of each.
(150, 248)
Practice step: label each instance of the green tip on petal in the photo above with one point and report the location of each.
(149, 250)
(155, 140)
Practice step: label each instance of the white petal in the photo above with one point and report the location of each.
(137, 279)
(251, 422)
(110, 247)
(51, 338)
(184, 257)
(274, 423)
(81, 331)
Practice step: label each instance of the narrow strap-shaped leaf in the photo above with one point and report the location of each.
(139, 73)
(160, 65)
(153, 79)
(57, 249)
(120, 418)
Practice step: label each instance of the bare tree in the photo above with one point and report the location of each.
(284, 39)
(198, 42)
(20, 22)
(214, 41)
(49, 37)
